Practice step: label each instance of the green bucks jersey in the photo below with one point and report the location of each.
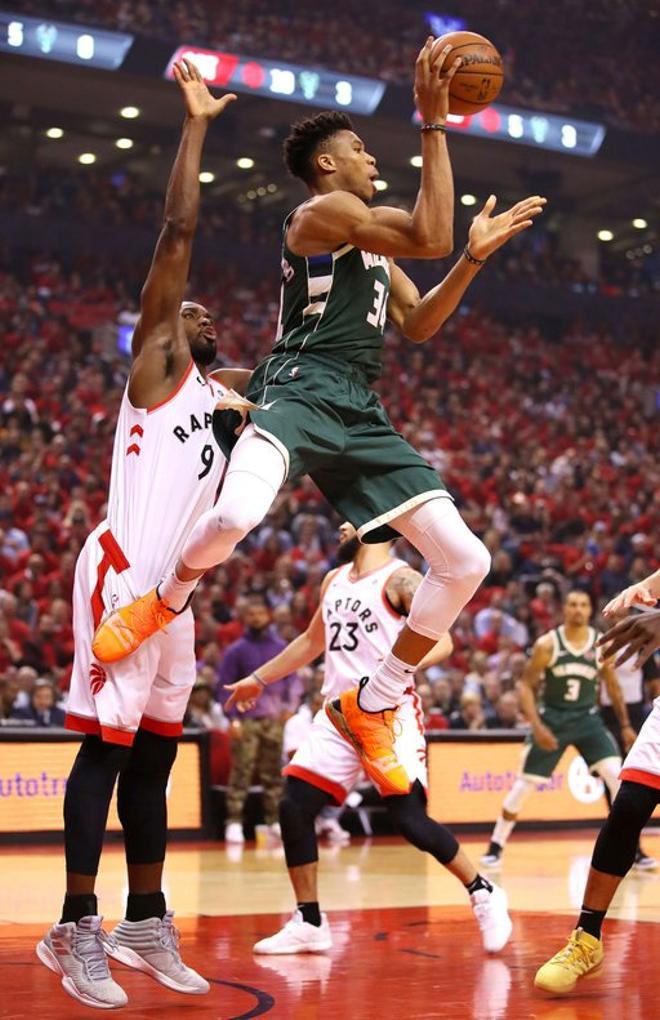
(334, 305)
(571, 679)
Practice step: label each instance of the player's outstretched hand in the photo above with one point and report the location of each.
(637, 634)
(198, 100)
(432, 83)
(244, 694)
(488, 233)
(636, 595)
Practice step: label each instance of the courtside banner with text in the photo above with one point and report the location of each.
(33, 782)
(468, 781)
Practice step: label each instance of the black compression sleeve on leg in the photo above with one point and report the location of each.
(408, 812)
(299, 807)
(617, 841)
(87, 800)
(141, 801)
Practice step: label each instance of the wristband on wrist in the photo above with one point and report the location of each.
(431, 126)
(471, 259)
(262, 683)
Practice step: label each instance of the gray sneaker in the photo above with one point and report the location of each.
(152, 946)
(76, 952)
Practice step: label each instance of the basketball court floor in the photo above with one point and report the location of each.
(406, 946)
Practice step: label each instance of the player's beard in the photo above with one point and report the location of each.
(347, 551)
(203, 353)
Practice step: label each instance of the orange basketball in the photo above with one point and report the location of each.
(480, 77)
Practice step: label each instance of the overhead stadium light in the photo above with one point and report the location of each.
(245, 163)
(87, 158)
(129, 112)
(54, 132)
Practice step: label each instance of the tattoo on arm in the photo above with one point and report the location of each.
(401, 588)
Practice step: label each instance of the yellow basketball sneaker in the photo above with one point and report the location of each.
(581, 956)
(372, 736)
(123, 631)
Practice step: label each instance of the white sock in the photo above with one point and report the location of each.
(385, 688)
(174, 592)
(502, 831)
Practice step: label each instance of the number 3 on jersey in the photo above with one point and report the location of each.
(376, 317)
(572, 690)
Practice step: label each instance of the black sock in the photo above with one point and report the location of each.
(479, 883)
(310, 913)
(141, 906)
(591, 921)
(75, 907)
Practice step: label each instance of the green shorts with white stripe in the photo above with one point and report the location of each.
(328, 424)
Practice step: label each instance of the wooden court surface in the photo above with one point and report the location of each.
(405, 941)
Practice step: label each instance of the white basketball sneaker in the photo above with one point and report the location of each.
(297, 936)
(491, 910)
(234, 833)
(152, 946)
(75, 951)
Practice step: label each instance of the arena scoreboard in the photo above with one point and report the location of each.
(56, 40)
(560, 133)
(277, 80)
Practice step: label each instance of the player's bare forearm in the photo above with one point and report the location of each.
(616, 696)
(420, 318)
(528, 707)
(433, 214)
(301, 652)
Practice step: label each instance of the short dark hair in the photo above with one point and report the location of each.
(305, 138)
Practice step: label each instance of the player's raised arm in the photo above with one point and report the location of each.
(159, 345)
(418, 317)
(339, 215)
(536, 665)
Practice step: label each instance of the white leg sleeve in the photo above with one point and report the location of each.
(458, 562)
(521, 790)
(608, 769)
(255, 475)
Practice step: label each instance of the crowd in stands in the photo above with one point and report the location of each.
(119, 202)
(546, 443)
(592, 59)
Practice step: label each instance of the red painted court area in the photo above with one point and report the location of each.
(419, 963)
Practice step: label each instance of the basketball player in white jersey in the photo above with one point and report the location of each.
(166, 472)
(364, 604)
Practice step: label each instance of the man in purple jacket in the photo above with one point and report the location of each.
(257, 738)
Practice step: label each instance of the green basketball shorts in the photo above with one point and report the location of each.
(585, 731)
(328, 424)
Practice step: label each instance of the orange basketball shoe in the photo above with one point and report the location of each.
(372, 736)
(123, 631)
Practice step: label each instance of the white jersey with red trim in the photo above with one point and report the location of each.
(166, 472)
(360, 625)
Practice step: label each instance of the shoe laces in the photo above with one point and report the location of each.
(574, 952)
(89, 947)
(169, 935)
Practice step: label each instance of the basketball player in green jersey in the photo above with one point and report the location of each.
(311, 410)
(567, 661)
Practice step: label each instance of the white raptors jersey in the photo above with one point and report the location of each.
(166, 471)
(360, 626)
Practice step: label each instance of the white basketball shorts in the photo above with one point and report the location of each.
(642, 763)
(151, 687)
(330, 763)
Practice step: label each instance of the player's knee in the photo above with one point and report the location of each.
(236, 518)
(152, 756)
(608, 769)
(475, 562)
(632, 807)
(516, 797)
